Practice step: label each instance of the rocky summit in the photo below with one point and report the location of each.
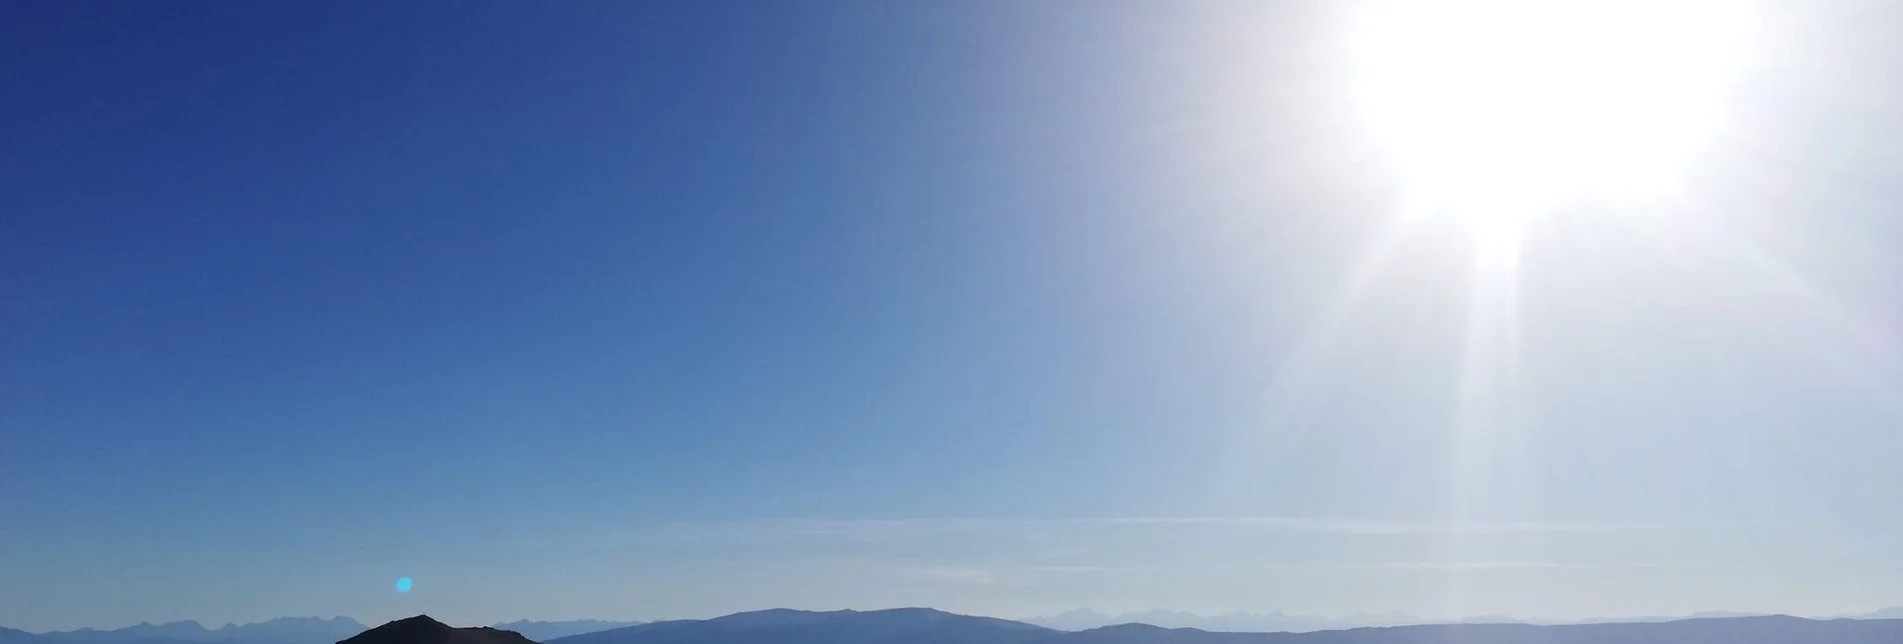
(422, 629)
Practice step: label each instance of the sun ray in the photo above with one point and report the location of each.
(1503, 112)
(1290, 383)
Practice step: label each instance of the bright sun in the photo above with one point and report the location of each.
(1497, 109)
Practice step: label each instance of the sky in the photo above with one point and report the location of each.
(643, 310)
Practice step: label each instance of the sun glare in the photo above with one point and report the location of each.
(1497, 109)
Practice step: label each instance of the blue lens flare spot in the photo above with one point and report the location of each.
(403, 584)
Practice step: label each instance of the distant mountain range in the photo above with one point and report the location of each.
(782, 626)
(16, 636)
(284, 630)
(1085, 619)
(1272, 622)
(545, 631)
(926, 626)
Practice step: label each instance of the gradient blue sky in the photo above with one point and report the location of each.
(649, 310)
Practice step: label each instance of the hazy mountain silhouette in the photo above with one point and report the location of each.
(291, 630)
(1887, 613)
(283, 630)
(421, 629)
(1733, 630)
(1708, 614)
(141, 633)
(1270, 622)
(545, 631)
(1072, 620)
(16, 636)
(928, 626)
(924, 626)
(783, 626)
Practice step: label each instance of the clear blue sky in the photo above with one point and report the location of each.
(650, 310)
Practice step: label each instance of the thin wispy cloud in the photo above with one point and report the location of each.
(965, 574)
(953, 575)
(1494, 565)
(846, 528)
(1078, 569)
(1367, 527)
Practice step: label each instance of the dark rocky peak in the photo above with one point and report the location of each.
(422, 629)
